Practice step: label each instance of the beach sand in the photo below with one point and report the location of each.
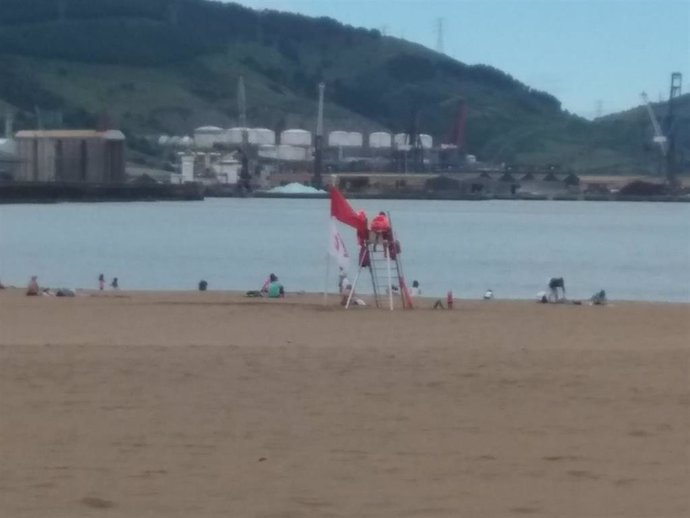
(212, 405)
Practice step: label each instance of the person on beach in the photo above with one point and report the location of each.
(267, 283)
(275, 288)
(101, 282)
(203, 285)
(416, 290)
(556, 284)
(342, 279)
(599, 298)
(33, 289)
(115, 285)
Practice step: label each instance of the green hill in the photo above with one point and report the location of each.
(171, 65)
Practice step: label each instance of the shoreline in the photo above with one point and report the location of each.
(312, 298)
(47, 193)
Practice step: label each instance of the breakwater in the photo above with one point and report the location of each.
(51, 192)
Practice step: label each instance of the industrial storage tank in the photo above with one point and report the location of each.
(296, 137)
(402, 141)
(380, 139)
(206, 136)
(426, 140)
(262, 136)
(355, 139)
(345, 139)
(268, 151)
(163, 140)
(234, 136)
(186, 141)
(291, 153)
(338, 138)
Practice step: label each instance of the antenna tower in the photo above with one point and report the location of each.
(440, 22)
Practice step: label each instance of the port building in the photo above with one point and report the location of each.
(82, 156)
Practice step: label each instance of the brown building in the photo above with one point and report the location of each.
(71, 156)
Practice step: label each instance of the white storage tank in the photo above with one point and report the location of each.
(206, 136)
(380, 140)
(355, 139)
(268, 151)
(186, 141)
(426, 140)
(291, 153)
(234, 135)
(262, 136)
(338, 138)
(402, 141)
(163, 140)
(296, 137)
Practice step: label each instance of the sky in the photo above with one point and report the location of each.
(595, 56)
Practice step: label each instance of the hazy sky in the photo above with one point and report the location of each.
(588, 53)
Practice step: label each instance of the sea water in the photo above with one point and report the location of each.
(635, 251)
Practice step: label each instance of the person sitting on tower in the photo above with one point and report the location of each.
(381, 227)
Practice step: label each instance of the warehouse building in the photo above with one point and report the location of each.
(83, 156)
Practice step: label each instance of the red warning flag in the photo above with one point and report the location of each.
(342, 210)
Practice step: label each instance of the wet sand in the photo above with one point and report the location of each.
(212, 405)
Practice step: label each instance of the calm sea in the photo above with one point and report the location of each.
(635, 251)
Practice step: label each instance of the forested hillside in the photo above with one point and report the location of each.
(171, 65)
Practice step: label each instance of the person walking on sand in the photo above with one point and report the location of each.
(115, 285)
(33, 289)
(556, 283)
(101, 282)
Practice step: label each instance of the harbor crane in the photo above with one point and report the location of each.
(666, 138)
(659, 137)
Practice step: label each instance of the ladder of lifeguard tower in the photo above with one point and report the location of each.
(384, 270)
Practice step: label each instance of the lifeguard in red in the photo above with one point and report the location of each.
(381, 227)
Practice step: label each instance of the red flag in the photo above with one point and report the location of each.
(342, 210)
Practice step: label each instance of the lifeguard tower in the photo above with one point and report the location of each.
(380, 254)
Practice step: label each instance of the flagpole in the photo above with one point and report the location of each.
(354, 284)
(325, 283)
(328, 265)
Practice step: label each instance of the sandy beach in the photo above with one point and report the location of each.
(213, 405)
